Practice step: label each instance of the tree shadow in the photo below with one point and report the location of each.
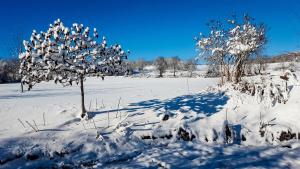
(224, 157)
(201, 103)
(206, 103)
(49, 92)
(40, 150)
(250, 157)
(37, 94)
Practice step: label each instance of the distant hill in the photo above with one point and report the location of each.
(286, 57)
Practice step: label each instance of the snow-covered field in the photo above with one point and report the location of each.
(134, 123)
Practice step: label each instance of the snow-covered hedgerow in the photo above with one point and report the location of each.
(271, 90)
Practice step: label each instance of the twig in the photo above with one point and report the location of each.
(120, 122)
(96, 104)
(103, 106)
(44, 119)
(226, 115)
(260, 117)
(83, 125)
(94, 123)
(107, 119)
(188, 86)
(118, 107)
(35, 125)
(21, 123)
(90, 105)
(32, 126)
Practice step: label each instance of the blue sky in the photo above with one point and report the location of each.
(151, 28)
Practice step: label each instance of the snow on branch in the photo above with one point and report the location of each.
(231, 45)
(66, 54)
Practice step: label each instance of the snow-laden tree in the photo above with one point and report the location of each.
(232, 46)
(67, 55)
(244, 40)
(213, 48)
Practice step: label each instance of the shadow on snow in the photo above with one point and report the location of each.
(202, 103)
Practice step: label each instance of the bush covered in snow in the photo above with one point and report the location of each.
(270, 91)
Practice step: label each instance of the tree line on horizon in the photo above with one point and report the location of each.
(161, 65)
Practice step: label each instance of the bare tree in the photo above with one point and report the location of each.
(161, 65)
(13, 69)
(248, 68)
(15, 49)
(261, 64)
(9, 68)
(3, 71)
(140, 64)
(190, 66)
(175, 64)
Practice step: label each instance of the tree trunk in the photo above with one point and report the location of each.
(221, 74)
(238, 72)
(83, 111)
(174, 72)
(227, 73)
(22, 90)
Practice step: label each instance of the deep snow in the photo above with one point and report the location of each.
(195, 104)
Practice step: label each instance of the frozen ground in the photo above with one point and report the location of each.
(112, 138)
